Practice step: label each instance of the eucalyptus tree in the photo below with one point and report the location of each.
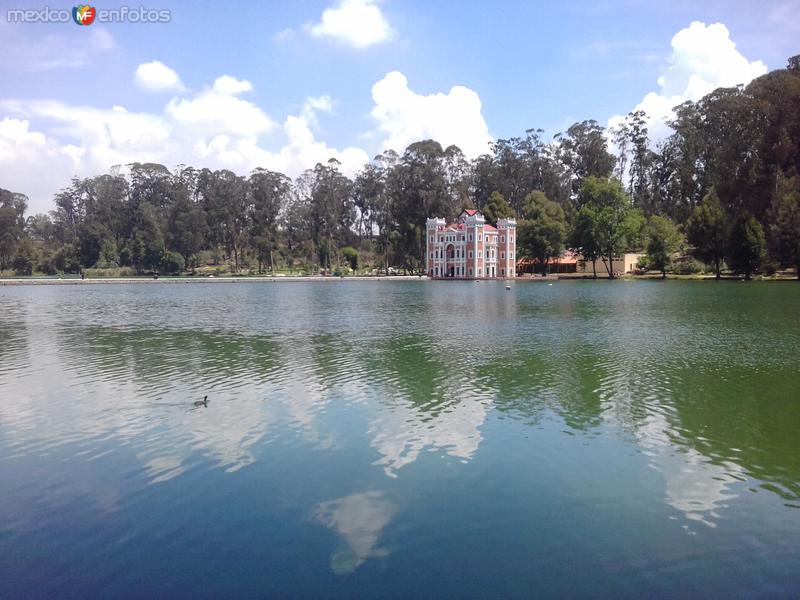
(268, 194)
(331, 210)
(418, 187)
(457, 178)
(39, 227)
(187, 226)
(483, 180)
(368, 187)
(583, 149)
(690, 155)
(224, 197)
(733, 126)
(12, 224)
(384, 206)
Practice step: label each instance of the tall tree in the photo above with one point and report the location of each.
(663, 240)
(418, 186)
(225, 200)
(746, 246)
(583, 236)
(332, 211)
(785, 230)
(187, 227)
(12, 224)
(707, 231)
(612, 227)
(584, 151)
(269, 193)
(497, 208)
(541, 232)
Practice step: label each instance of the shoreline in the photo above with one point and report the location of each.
(185, 280)
(33, 281)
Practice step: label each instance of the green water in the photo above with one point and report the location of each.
(401, 439)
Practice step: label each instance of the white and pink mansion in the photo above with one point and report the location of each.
(470, 248)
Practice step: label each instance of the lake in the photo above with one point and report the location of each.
(400, 439)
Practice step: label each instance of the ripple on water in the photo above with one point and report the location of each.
(621, 428)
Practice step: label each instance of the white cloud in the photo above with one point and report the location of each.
(213, 128)
(230, 85)
(303, 151)
(101, 39)
(14, 132)
(26, 50)
(357, 23)
(155, 76)
(284, 36)
(28, 158)
(43, 143)
(219, 111)
(452, 118)
(703, 58)
(322, 103)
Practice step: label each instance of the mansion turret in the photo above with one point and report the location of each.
(470, 248)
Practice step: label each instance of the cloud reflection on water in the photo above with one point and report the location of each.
(359, 519)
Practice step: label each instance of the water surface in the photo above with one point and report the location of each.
(400, 439)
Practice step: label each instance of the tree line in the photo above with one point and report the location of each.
(721, 191)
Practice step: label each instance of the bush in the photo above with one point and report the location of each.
(351, 256)
(125, 257)
(173, 263)
(770, 267)
(47, 264)
(111, 272)
(66, 259)
(24, 258)
(686, 265)
(207, 257)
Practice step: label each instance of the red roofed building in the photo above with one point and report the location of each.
(470, 248)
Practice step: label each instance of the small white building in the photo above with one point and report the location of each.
(624, 263)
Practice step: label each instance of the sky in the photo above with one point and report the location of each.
(284, 85)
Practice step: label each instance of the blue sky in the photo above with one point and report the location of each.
(301, 82)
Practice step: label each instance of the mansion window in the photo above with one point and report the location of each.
(470, 253)
(502, 255)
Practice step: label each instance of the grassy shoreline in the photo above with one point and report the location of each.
(75, 280)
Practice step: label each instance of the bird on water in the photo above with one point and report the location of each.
(203, 402)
